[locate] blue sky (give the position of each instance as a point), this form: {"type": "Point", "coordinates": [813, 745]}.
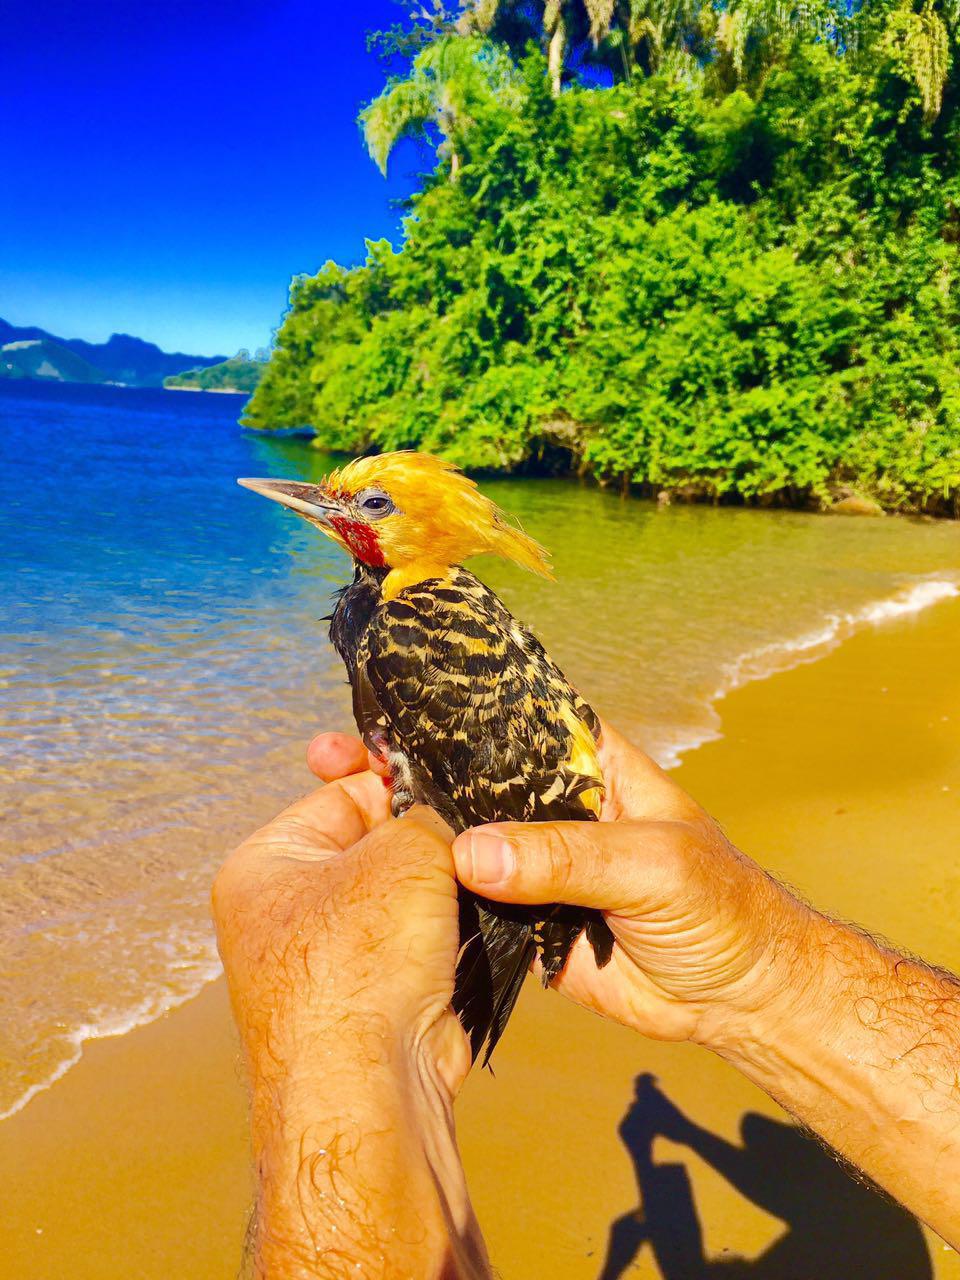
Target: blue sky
{"type": "Point", "coordinates": [169, 164]}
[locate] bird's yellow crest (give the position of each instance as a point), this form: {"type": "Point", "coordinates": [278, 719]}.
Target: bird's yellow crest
{"type": "Point", "coordinates": [437, 517]}
{"type": "Point", "coordinates": [409, 512]}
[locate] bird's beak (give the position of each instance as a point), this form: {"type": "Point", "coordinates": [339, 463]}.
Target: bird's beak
{"type": "Point", "coordinates": [308, 500]}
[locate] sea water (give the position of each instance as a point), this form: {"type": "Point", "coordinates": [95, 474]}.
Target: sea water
{"type": "Point", "coordinates": [163, 664]}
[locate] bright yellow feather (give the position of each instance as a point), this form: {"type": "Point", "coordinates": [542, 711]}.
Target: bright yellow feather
{"type": "Point", "coordinates": [442, 517]}
{"type": "Point", "coordinates": [584, 757]}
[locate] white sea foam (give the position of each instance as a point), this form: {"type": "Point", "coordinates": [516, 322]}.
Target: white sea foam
{"type": "Point", "coordinates": [759, 664]}
{"type": "Point", "coordinates": [782, 655]}
{"type": "Point", "coordinates": [117, 1024]}
{"type": "Point", "coordinates": [836, 627]}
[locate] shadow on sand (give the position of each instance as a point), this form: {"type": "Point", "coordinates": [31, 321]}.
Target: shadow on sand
{"type": "Point", "coordinates": [836, 1228]}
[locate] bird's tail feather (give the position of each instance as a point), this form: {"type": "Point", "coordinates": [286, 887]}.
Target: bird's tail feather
{"type": "Point", "coordinates": [495, 955]}
{"type": "Point", "coordinates": [511, 950]}
{"type": "Point", "coordinates": [498, 944]}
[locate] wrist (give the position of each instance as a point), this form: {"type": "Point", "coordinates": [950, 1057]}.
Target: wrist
{"type": "Point", "coordinates": [352, 1142]}
{"type": "Point", "coordinates": [785, 978]}
{"type": "Point", "coordinates": [303, 1042]}
{"type": "Point", "coordinates": [805, 1034]}
{"type": "Point", "coordinates": [351, 1101]}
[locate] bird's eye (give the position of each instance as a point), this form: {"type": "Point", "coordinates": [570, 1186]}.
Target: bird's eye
{"type": "Point", "coordinates": [375, 503]}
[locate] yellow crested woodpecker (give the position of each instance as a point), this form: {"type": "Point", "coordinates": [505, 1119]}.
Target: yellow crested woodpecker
{"type": "Point", "coordinates": [456, 695]}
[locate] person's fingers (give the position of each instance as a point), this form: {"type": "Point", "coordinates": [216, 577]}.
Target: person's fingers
{"type": "Point", "coordinates": [336, 755]}
{"type": "Point", "coordinates": [316, 828]}
{"type": "Point", "coordinates": [428, 818]}
{"type": "Point", "coordinates": [378, 765]}
{"type": "Point", "coordinates": [414, 847]}
{"type": "Point", "coordinates": [636, 786]}
{"type": "Point", "coordinates": [415, 841]}
{"type": "Point", "coordinates": [344, 811]}
{"type": "Point", "coordinates": [322, 823]}
{"type": "Point", "coordinates": [610, 865]}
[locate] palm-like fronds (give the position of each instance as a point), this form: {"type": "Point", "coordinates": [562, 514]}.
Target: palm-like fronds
{"type": "Point", "coordinates": [663, 26]}
{"type": "Point", "coordinates": [678, 37]}
{"type": "Point", "coordinates": [401, 111]}
{"type": "Point", "coordinates": [448, 82]}
{"type": "Point", "coordinates": [600, 13]}
{"type": "Point", "coordinates": [763, 27]}
{"type": "Point", "coordinates": [920, 45]}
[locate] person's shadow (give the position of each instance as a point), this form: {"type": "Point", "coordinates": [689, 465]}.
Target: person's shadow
{"type": "Point", "coordinates": [836, 1228]}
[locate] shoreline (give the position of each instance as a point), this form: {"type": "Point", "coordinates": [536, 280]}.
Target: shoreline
{"type": "Point", "coordinates": [786, 655]}
{"type": "Point", "coordinates": [217, 391]}
{"type": "Point", "coordinates": [139, 1151]}
{"type": "Point", "coordinates": [758, 665]}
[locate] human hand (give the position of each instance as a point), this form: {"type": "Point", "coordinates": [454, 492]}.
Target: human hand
{"type": "Point", "coordinates": [859, 1041]}
{"type": "Point", "coordinates": [698, 927]}
{"type": "Point", "coordinates": [335, 913]}
{"type": "Point", "coordinates": [338, 929]}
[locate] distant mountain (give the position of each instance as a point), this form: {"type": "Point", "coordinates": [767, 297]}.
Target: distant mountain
{"type": "Point", "coordinates": [42, 358]}
{"type": "Point", "coordinates": [239, 373]}
{"type": "Point", "coordinates": [123, 359]}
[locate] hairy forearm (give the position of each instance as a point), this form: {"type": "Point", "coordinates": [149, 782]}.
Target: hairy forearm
{"type": "Point", "coordinates": [357, 1166]}
{"type": "Point", "coordinates": [863, 1046]}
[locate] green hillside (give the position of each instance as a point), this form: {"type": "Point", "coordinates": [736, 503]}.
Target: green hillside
{"type": "Point", "coordinates": [240, 373]}
{"type": "Point", "coordinates": [728, 273]}
{"type": "Point", "coordinates": [122, 359]}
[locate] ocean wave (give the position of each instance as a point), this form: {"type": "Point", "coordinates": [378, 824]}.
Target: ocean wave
{"type": "Point", "coordinates": [783, 655]}
{"type": "Point", "coordinates": [149, 1009]}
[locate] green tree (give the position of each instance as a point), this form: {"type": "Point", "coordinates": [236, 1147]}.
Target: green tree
{"type": "Point", "coordinates": [450, 82]}
{"type": "Point", "coordinates": [737, 282]}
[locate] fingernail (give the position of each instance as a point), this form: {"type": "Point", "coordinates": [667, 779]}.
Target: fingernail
{"type": "Point", "coordinates": [491, 858]}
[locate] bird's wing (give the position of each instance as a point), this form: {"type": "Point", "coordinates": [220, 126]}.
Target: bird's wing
{"type": "Point", "coordinates": [473, 702]}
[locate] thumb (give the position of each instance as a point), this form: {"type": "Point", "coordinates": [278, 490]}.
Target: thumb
{"type": "Point", "coordinates": [588, 864]}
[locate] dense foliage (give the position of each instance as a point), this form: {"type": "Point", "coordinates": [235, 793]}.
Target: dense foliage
{"type": "Point", "coordinates": [239, 373]}
{"type": "Point", "coordinates": [729, 273]}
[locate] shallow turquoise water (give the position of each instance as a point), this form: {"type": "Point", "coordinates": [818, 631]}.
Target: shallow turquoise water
{"type": "Point", "coordinates": [162, 666]}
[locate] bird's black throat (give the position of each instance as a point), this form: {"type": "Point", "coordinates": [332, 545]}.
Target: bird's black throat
{"type": "Point", "coordinates": [356, 603]}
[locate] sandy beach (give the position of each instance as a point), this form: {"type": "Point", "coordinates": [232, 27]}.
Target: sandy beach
{"type": "Point", "coordinates": [841, 776]}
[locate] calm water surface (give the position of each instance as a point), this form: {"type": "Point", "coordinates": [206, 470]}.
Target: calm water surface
{"type": "Point", "coordinates": [162, 666]}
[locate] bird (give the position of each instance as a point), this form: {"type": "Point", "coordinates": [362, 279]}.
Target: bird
{"type": "Point", "coordinates": [456, 696]}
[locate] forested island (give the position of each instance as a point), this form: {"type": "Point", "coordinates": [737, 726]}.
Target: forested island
{"type": "Point", "coordinates": [706, 250]}
{"type": "Point", "coordinates": [241, 372]}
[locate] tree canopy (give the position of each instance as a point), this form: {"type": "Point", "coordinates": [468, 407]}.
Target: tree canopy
{"type": "Point", "coordinates": [704, 248]}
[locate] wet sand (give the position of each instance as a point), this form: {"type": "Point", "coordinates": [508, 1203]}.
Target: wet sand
{"type": "Point", "coordinates": [842, 776]}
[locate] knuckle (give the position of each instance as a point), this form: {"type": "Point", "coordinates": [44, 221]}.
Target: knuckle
{"type": "Point", "coordinates": [397, 844]}
{"type": "Point", "coordinates": [557, 858]}
{"type": "Point", "coordinates": [430, 827]}
{"type": "Point", "coordinates": [675, 845]}
{"type": "Point", "coordinates": [703, 842]}
{"type": "Point", "coordinates": [689, 851]}
{"type": "Point", "coordinates": [421, 830]}
{"type": "Point", "coordinates": [227, 889]}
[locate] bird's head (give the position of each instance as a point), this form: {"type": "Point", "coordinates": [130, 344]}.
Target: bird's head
{"type": "Point", "coordinates": [409, 513]}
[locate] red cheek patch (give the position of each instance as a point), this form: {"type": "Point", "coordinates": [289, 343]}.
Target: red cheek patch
{"type": "Point", "coordinates": [361, 539]}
